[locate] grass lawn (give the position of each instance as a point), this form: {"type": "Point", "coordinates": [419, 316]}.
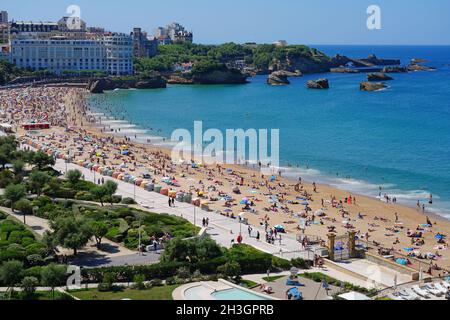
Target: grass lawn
{"type": "Point", "coordinates": [272, 279]}
{"type": "Point", "coordinates": [155, 293]}
{"type": "Point", "coordinates": [248, 283]}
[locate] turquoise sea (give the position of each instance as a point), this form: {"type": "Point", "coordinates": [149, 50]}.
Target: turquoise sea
{"type": "Point", "coordinates": [398, 138]}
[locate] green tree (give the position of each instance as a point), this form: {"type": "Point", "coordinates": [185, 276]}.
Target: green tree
{"type": "Point", "coordinates": [99, 193]}
{"type": "Point", "coordinates": [110, 189]}
{"type": "Point", "coordinates": [53, 187]}
{"type": "Point", "coordinates": [29, 285]}
{"type": "Point", "coordinates": [25, 207]}
{"type": "Point", "coordinates": [10, 274]}
{"type": "Point", "coordinates": [14, 193]}
{"type": "Point", "coordinates": [18, 166]}
{"type": "Point", "coordinates": [41, 160]}
{"type": "Point", "coordinates": [37, 181]}
{"type": "Point", "coordinates": [53, 276]}
{"type": "Point", "coordinates": [71, 232]}
{"type": "Point", "coordinates": [73, 176]}
{"type": "Point", "coordinates": [99, 229]}
{"type": "Point", "coordinates": [8, 146]}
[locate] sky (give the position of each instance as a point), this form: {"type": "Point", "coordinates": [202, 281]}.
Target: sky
{"type": "Point", "coordinates": [403, 22]}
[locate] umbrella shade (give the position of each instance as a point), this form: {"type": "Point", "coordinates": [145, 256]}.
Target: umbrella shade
{"type": "Point", "coordinates": [228, 210]}
{"type": "Point", "coordinates": [279, 226]}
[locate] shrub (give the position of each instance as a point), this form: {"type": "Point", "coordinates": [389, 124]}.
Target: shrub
{"type": "Point", "coordinates": [84, 196]}
{"type": "Point", "coordinates": [29, 285]}
{"type": "Point", "coordinates": [128, 201]}
{"type": "Point", "coordinates": [108, 281]}
{"type": "Point", "coordinates": [280, 263]}
{"type": "Point", "coordinates": [184, 273]}
{"type": "Point", "coordinates": [139, 282]}
{"type": "Point", "coordinates": [230, 269]}
{"type": "Point", "coordinates": [301, 263]}
{"type": "Point", "coordinates": [157, 282]}
{"type": "Point", "coordinates": [35, 260]}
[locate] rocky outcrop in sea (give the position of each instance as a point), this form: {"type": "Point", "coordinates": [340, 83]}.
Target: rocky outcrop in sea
{"type": "Point", "coordinates": [278, 78]}
{"type": "Point", "coordinates": [378, 76]}
{"type": "Point", "coordinates": [318, 84]}
{"type": "Point", "coordinates": [107, 84]}
{"type": "Point", "coordinates": [370, 86]}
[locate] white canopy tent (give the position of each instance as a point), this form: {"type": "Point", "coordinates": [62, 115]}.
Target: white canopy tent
{"type": "Point", "coordinates": [354, 296]}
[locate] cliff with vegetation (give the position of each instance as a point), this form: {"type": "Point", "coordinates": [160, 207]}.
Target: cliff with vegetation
{"type": "Point", "coordinates": [257, 58]}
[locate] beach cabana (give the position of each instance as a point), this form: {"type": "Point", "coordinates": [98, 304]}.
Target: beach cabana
{"type": "Point", "coordinates": [187, 198]}
{"type": "Point", "coordinates": [116, 175]}
{"type": "Point", "coordinates": [164, 192]}
{"type": "Point", "coordinates": [196, 202]}
{"type": "Point", "coordinates": [179, 196]}
{"type": "Point", "coordinates": [150, 187]}
{"type": "Point", "coordinates": [138, 181]}
{"type": "Point", "coordinates": [157, 188]}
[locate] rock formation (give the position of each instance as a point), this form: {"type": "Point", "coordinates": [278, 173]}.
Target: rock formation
{"type": "Point", "coordinates": [278, 78]}
{"type": "Point", "coordinates": [394, 69]}
{"type": "Point", "coordinates": [378, 76]}
{"type": "Point", "coordinates": [418, 67]}
{"type": "Point", "coordinates": [370, 86]}
{"type": "Point", "coordinates": [106, 84]}
{"type": "Point", "coordinates": [318, 84]}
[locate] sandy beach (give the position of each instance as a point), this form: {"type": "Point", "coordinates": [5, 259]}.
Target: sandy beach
{"type": "Point", "coordinates": [74, 132]}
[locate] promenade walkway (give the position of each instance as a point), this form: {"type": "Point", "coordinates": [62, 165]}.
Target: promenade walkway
{"type": "Point", "coordinates": [222, 229]}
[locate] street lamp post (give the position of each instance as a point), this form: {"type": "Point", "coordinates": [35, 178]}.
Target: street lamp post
{"type": "Point", "coordinates": [140, 243]}
{"type": "Point", "coordinates": [134, 192]}
{"type": "Point", "coordinates": [195, 217]}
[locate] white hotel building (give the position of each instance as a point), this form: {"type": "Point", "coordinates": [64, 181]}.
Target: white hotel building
{"type": "Point", "coordinates": [112, 54]}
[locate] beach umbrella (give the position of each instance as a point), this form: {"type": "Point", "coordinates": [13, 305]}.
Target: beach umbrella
{"type": "Point", "coordinates": [227, 210]}
{"type": "Point", "coordinates": [244, 201]}
{"type": "Point", "coordinates": [242, 214]}
{"type": "Point", "coordinates": [305, 203]}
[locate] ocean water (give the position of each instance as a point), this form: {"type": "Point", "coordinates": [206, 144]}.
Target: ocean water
{"type": "Point", "coordinates": [398, 138]}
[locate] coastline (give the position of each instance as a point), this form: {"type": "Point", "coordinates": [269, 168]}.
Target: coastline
{"type": "Point", "coordinates": [378, 217]}
{"type": "Point", "coordinates": [290, 173]}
